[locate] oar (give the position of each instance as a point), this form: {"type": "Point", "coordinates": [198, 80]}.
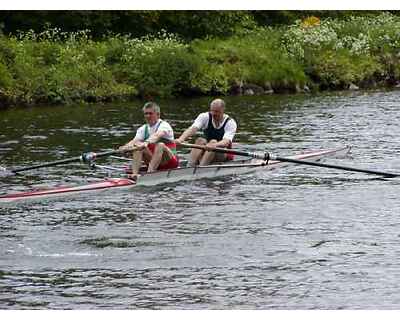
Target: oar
{"type": "Point", "coordinates": [85, 158]}
{"type": "Point", "coordinates": [268, 156]}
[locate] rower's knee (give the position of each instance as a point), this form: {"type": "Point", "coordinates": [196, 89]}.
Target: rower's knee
{"type": "Point", "coordinates": [160, 146]}
{"type": "Point", "coordinates": [200, 141]}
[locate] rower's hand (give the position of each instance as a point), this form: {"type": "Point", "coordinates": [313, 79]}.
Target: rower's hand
{"type": "Point", "coordinates": [123, 148]}
{"type": "Point", "coordinates": [179, 141]}
{"type": "Point", "coordinates": [211, 145]}
{"type": "Point", "coordinates": [126, 147]}
{"type": "Point", "coordinates": [141, 145]}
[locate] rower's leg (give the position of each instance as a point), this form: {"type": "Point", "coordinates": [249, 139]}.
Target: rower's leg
{"type": "Point", "coordinates": [136, 161]}
{"type": "Point", "coordinates": [196, 154]}
{"type": "Point", "coordinates": [161, 153]}
{"type": "Point", "coordinates": [147, 155]}
{"type": "Point", "coordinates": [208, 156]}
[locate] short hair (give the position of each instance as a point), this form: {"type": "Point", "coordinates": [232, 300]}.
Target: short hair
{"type": "Point", "coordinates": [219, 102]}
{"type": "Point", "coordinates": [151, 105]}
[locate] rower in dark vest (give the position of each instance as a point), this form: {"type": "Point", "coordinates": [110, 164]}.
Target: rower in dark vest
{"type": "Point", "coordinates": [219, 130]}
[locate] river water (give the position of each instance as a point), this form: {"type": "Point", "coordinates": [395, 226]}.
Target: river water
{"type": "Point", "coordinates": [295, 238]}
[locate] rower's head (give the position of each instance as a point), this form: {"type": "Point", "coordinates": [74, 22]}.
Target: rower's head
{"type": "Point", "coordinates": [151, 112]}
{"type": "Point", "coordinates": [217, 108]}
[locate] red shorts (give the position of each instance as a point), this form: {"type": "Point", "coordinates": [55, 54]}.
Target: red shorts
{"type": "Point", "coordinates": [230, 156]}
{"type": "Point", "coordinates": [170, 164]}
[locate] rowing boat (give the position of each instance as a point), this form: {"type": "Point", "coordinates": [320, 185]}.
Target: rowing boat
{"type": "Point", "coordinates": [169, 176]}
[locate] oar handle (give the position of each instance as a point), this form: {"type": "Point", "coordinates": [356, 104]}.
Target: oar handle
{"type": "Point", "coordinates": [264, 156]}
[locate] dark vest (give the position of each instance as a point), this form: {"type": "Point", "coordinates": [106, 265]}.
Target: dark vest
{"type": "Point", "coordinates": [212, 133]}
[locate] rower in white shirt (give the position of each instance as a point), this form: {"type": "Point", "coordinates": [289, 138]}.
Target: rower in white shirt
{"type": "Point", "coordinates": [154, 143]}
{"type": "Point", "coordinates": [219, 130]}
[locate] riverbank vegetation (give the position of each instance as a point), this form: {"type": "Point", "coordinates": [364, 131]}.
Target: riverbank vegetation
{"type": "Point", "coordinates": [309, 54]}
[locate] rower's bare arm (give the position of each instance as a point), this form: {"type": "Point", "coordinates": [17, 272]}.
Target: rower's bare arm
{"type": "Point", "coordinates": [131, 144]}
{"type": "Point", "coordinates": [186, 134]}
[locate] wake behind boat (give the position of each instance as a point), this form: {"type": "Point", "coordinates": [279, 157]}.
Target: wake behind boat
{"type": "Point", "coordinates": [256, 162]}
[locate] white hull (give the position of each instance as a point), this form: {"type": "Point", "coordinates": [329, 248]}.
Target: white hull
{"type": "Point", "coordinates": [168, 176]}
{"type": "Point", "coordinates": [238, 167]}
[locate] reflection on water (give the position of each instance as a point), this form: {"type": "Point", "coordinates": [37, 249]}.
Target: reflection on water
{"type": "Point", "coordinates": [298, 237]}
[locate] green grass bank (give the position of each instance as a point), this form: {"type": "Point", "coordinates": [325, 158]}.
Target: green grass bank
{"type": "Point", "coordinates": [309, 55]}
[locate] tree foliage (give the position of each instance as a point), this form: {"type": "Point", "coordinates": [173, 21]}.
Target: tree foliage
{"type": "Point", "coordinates": [188, 24]}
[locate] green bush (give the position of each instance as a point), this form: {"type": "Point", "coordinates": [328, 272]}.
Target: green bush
{"type": "Point", "coordinates": [338, 69]}
{"type": "Point", "coordinates": [82, 74]}
{"type": "Point", "coordinates": [254, 58]}
{"type": "Point", "coordinates": [6, 80]}
{"type": "Point", "coordinates": [159, 66]}
{"type": "Point", "coordinates": [59, 67]}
